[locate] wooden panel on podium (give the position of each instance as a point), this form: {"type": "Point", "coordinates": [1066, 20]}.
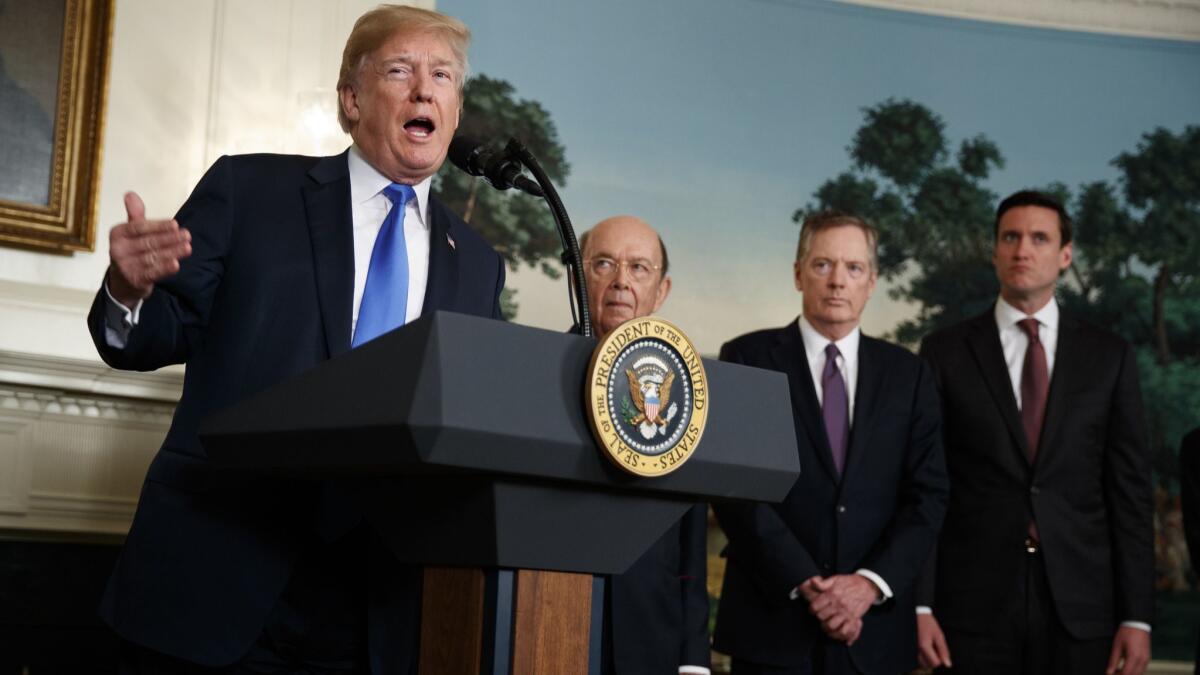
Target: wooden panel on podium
{"type": "Point", "coordinates": [552, 620]}
{"type": "Point", "coordinates": [452, 603]}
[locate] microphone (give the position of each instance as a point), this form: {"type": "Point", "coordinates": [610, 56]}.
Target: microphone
{"type": "Point", "coordinates": [498, 167]}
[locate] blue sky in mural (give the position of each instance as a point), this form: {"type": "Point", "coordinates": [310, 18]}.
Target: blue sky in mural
{"type": "Point", "coordinates": [715, 120]}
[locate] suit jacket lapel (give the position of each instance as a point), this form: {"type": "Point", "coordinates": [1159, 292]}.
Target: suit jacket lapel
{"type": "Point", "coordinates": [984, 341]}
{"type": "Point", "coordinates": [789, 357]}
{"type": "Point", "coordinates": [866, 396]}
{"type": "Point", "coordinates": [1070, 366]}
{"type": "Point", "coordinates": [442, 286]}
{"type": "Point", "coordinates": [331, 228]}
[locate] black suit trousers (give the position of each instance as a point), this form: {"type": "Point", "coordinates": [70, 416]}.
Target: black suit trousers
{"type": "Point", "coordinates": [1029, 637]}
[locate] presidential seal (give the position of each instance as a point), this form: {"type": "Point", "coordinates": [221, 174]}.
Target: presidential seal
{"type": "Point", "coordinates": [647, 396]}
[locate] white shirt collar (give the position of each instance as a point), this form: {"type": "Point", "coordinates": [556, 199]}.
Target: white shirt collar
{"type": "Point", "coordinates": [1007, 316]}
{"type": "Point", "coordinates": [814, 342]}
{"type": "Point", "coordinates": [366, 183]}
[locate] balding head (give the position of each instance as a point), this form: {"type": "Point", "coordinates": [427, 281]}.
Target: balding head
{"type": "Point", "coordinates": [626, 271]}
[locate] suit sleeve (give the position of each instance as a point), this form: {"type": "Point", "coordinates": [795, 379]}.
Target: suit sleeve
{"type": "Point", "coordinates": [173, 318]}
{"type": "Point", "coordinates": [760, 539]}
{"type": "Point", "coordinates": [497, 312]}
{"type": "Point", "coordinates": [901, 552]}
{"type": "Point", "coordinates": [1129, 496]}
{"type": "Point", "coordinates": [693, 531]}
{"type": "Point", "coordinates": [926, 588]}
{"type": "Point", "coordinates": [1189, 492]}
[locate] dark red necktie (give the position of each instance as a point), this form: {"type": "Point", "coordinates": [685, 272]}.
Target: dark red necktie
{"type": "Point", "coordinates": [1035, 384]}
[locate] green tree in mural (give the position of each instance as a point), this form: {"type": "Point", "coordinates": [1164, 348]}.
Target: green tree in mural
{"type": "Point", "coordinates": [520, 227]}
{"type": "Point", "coordinates": [1136, 271]}
{"type": "Point", "coordinates": [933, 213]}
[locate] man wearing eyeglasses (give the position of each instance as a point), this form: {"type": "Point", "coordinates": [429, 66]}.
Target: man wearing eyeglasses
{"type": "Point", "coordinates": [656, 613]}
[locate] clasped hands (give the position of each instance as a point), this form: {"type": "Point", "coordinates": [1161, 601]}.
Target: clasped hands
{"type": "Point", "coordinates": [839, 603]}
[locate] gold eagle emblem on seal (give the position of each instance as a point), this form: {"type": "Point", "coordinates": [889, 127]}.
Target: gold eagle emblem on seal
{"type": "Point", "coordinates": [647, 396]}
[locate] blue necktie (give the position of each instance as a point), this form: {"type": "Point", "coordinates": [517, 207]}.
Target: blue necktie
{"type": "Point", "coordinates": [385, 298]}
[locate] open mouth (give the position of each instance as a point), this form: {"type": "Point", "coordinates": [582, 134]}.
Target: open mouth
{"type": "Point", "coordinates": [419, 126]}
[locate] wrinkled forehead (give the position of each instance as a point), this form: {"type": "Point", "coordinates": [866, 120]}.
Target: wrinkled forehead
{"type": "Point", "coordinates": [411, 47]}
{"type": "Point", "coordinates": [629, 240]}
{"type": "Point", "coordinates": [844, 242]}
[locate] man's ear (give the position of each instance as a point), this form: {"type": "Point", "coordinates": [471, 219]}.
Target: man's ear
{"type": "Point", "coordinates": [664, 289]}
{"type": "Point", "coordinates": [349, 101]}
{"type": "Point", "coordinates": [1066, 255]}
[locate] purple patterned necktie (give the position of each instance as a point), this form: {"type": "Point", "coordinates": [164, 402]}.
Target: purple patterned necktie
{"type": "Point", "coordinates": [835, 407]}
{"type": "Point", "coordinates": [1035, 385]}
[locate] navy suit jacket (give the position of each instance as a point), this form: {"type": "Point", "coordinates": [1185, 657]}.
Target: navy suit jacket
{"type": "Point", "coordinates": [882, 515]}
{"type": "Point", "coordinates": [1189, 494]}
{"type": "Point", "coordinates": [1089, 490]}
{"type": "Point", "coordinates": [659, 606]}
{"type": "Point", "coordinates": [265, 295]}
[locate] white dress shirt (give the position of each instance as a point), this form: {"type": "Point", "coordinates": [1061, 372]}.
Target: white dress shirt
{"type": "Point", "coordinates": [368, 208]}
{"type": "Point", "coordinates": [847, 363]}
{"type": "Point", "coordinates": [1014, 342]}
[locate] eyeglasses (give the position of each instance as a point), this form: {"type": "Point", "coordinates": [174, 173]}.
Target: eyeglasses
{"type": "Point", "coordinates": [603, 268]}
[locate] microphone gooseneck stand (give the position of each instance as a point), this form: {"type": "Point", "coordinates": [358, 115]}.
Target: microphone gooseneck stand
{"type": "Point", "coordinates": [572, 257]}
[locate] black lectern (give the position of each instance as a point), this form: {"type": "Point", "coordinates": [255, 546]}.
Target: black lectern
{"type": "Point", "coordinates": [466, 442]}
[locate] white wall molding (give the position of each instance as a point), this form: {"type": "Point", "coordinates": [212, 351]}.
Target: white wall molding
{"type": "Point", "coordinates": [1164, 19]}
{"type": "Point", "coordinates": [76, 438]}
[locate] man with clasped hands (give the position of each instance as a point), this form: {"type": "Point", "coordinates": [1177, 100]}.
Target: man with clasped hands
{"type": "Point", "coordinates": [824, 581]}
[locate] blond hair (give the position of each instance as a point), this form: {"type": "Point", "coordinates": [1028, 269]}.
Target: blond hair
{"type": "Point", "coordinates": [379, 25]}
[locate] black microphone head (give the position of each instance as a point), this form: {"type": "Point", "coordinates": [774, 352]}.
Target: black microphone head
{"type": "Point", "coordinates": [476, 158]}
{"type": "Point", "coordinates": [465, 153]}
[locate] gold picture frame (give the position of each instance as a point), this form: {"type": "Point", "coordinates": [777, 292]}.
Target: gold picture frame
{"type": "Point", "coordinates": [62, 145]}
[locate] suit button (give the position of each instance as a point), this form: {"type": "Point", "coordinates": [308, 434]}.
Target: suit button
{"type": "Point", "coordinates": [826, 566]}
{"type": "Point", "coordinates": [1034, 490]}
{"type": "Point", "coordinates": [841, 509]}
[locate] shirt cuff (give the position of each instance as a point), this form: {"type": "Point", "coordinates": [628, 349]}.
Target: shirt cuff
{"type": "Point", "coordinates": [922, 609]}
{"type": "Point", "coordinates": [119, 320]}
{"type": "Point", "coordinates": [694, 670]}
{"type": "Point", "coordinates": [885, 591]}
{"type": "Point", "coordinates": [1136, 624]}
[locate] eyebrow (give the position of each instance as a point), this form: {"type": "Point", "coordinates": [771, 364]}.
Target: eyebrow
{"type": "Point", "coordinates": [409, 59]}
{"type": "Point", "coordinates": [846, 261]}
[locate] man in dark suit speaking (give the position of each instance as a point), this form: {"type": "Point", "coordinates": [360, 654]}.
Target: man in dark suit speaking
{"type": "Point", "coordinates": [1046, 560]}
{"type": "Point", "coordinates": [823, 582]}
{"type": "Point", "coordinates": [273, 265]}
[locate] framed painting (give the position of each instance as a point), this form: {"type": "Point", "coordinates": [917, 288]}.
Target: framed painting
{"type": "Point", "coordinates": [54, 57]}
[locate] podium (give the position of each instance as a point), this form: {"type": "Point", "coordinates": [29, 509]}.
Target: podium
{"type": "Point", "coordinates": [466, 443]}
